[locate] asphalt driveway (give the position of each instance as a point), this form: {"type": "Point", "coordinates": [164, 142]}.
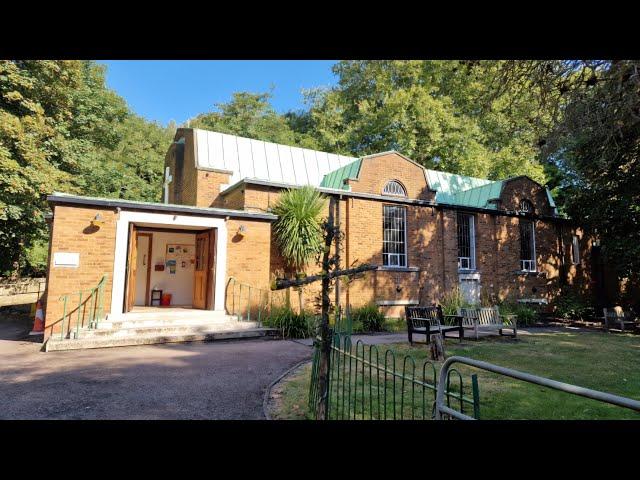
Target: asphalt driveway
{"type": "Point", "coordinates": [218, 380]}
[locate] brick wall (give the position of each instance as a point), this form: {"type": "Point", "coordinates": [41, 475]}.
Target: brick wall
{"type": "Point", "coordinates": [72, 232]}
{"type": "Point", "coordinates": [432, 240]}
{"type": "Point", "coordinates": [376, 171]}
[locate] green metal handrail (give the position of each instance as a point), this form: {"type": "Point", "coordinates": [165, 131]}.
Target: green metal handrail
{"type": "Point", "coordinates": [243, 309]}
{"type": "Point", "coordinates": [93, 302]}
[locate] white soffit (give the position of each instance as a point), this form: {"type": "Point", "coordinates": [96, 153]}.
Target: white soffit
{"type": "Point", "coordinates": [248, 158]}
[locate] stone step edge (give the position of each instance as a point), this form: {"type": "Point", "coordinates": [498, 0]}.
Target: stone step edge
{"type": "Point", "coordinates": [177, 329]}
{"type": "Point", "coordinates": [88, 343]}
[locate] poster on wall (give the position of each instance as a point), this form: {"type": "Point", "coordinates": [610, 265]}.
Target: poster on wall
{"type": "Point", "coordinates": [171, 264]}
{"type": "Point", "coordinates": [179, 255]}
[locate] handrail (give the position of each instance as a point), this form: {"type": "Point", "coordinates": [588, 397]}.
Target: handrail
{"type": "Point", "coordinates": [526, 377]}
{"type": "Point", "coordinates": [243, 309]}
{"type": "Point", "coordinates": [95, 301]}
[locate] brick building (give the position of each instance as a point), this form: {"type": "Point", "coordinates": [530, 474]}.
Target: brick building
{"type": "Point", "coordinates": [427, 231]}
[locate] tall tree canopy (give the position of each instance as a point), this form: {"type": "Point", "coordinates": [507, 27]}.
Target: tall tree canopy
{"type": "Point", "coordinates": [251, 115]}
{"type": "Point", "coordinates": [61, 128]}
{"type": "Point", "coordinates": [439, 113]}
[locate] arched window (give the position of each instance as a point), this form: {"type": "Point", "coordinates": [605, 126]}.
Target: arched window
{"type": "Point", "coordinates": [526, 206]}
{"type": "Point", "coordinates": [395, 188]}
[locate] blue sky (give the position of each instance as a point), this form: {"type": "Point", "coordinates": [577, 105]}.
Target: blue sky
{"type": "Point", "coordinates": [179, 89]}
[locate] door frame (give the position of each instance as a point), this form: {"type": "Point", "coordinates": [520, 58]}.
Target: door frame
{"type": "Point", "coordinates": [204, 271]}
{"type": "Point", "coordinates": [166, 220]}
{"type": "Point", "coordinates": [149, 256]}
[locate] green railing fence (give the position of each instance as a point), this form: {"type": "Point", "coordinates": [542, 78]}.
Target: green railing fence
{"type": "Point", "coordinates": [251, 304]}
{"type": "Point", "coordinates": [88, 311]}
{"type": "Point", "coordinates": [368, 384]}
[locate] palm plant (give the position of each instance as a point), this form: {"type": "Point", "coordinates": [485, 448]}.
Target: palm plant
{"type": "Point", "coordinates": [298, 230]}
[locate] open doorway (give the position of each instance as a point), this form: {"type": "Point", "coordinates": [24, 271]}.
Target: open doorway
{"type": "Point", "coordinates": [172, 263]}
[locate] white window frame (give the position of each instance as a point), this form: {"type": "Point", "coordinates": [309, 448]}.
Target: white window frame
{"type": "Point", "coordinates": [399, 257]}
{"type": "Point", "coordinates": [397, 185]}
{"type": "Point", "coordinates": [575, 250]}
{"type": "Point", "coordinates": [529, 265]}
{"type": "Point", "coordinates": [469, 261]}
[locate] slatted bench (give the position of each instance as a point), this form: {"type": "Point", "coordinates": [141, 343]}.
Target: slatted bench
{"type": "Point", "coordinates": [616, 317]}
{"type": "Point", "coordinates": [429, 321]}
{"type": "Point", "coordinates": [487, 318]}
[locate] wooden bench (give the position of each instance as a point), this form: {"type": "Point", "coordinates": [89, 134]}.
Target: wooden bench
{"type": "Point", "coordinates": [487, 318]}
{"type": "Point", "coordinates": [429, 321]}
{"type": "Point", "coordinates": [616, 317]}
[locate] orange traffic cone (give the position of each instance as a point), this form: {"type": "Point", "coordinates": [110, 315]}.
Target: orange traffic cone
{"type": "Point", "coordinates": [38, 323]}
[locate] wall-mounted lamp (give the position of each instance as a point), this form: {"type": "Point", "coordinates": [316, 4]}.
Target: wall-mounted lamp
{"type": "Point", "coordinates": [97, 221]}
{"type": "Point", "coordinates": [242, 231]}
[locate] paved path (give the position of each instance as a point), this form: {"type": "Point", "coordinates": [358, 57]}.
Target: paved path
{"type": "Point", "coordinates": [401, 337]}
{"type": "Point", "coordinates": [218, 380]}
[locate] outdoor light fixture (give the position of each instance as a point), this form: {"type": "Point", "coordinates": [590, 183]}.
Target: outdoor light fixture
{"type": "Point", "coordinates": [242, 231]}
{"type": "Point", "coordinates": [97, 220]}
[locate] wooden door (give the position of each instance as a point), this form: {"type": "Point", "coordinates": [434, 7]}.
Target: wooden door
{"type": "Point", "coordinates": [132, 259]}
{"type": "Point", "coordinates": [211, 273]}
{"type": "Point", "coordinates": [201, 271]}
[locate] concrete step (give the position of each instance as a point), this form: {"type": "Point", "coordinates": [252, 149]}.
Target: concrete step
{"type": "Point", "coordinates": [159, 321]}
{"type": "Point", "coordinates": [174, 314]}
{"type": "Point", "coordinates": [150, 339]}
{"type": "Point", "coordinates": [167, 329]}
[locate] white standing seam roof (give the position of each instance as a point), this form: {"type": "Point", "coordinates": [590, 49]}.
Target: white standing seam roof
{"type": "Point", "coordinates": [248, 158]}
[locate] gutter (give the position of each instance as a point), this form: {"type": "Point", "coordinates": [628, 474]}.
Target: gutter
{"type": "Point", "coordinates": [63, 198]}
{"type": "Point", "coordinates": [383, 198]}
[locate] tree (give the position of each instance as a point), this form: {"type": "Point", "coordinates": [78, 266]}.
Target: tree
{"type": "Point", "coordinates": [61, 128]}
{"type": "Point", "coordinates": [251, 115]}
{"type": "Point", "coordinates": [597, 146]}
{"type": "Point", "coordinates": [432, 112]}
{"type": "Point", "coordinates": [298, 231]}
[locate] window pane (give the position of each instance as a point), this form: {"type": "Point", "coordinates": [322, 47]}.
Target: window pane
{"type": "Point", "coordinates": [394, 241]}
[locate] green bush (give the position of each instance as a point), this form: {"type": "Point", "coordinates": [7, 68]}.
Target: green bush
{"type": "Point", "coordinates": [526, 315]}
{"type": "Point", "coordinates": [368, 319]}
{"type": "Point", "coordinates": [571, 305]}
{"type": "Point", "coordinates": [452, 301]}
{"type": "Point", "coordinates": [291, 324]}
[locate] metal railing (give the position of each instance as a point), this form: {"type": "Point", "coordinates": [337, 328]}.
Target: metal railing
{"type": "Point", "coordinates": [368, 384]}
{"type": "Point", "coordinates": [88, 311]}
{"type": "Point", "coordinates": [249, 303]}
{"type": "Point", "coordinates": [442, 409]}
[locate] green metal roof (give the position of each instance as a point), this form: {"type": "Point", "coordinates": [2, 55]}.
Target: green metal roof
{"type": "Point", "coordinates": [450, 188]}
{"type": "Point", "coordinates": [479, 197]}
{"type": "Point", "coordinates": [336, 178]}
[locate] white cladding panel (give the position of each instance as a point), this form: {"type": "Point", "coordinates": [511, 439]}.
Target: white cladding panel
{"type": "Point", "coordinates": [248, 158]}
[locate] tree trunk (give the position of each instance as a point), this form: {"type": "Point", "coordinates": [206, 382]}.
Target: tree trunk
{"type": "Point", "coordinates": [436, 346]}
{"type": "Point", "coordinates": [325, 332]}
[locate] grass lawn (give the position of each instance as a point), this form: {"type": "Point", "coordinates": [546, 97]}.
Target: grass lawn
{"type": "Point", "coordinates": [606, 362]}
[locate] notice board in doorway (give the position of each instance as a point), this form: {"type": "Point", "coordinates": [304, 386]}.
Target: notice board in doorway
{"type": "Point", "coordinates": [180, 255]}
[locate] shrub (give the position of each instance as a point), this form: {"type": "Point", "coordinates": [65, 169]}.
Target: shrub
{"type": "Point", "coordinates": [291, 324]}
{"type": "Point", "coordinates": [452, 301]}
{"type": "Point", "coordinates": [526, 315]}
{"type": "Point", "coordinates": [368, 319]}
{"type": "Point", "coordinates": [571, 305]}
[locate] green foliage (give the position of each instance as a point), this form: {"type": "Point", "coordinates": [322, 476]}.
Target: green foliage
{"type": "Point", "coordinates": [452, 301]}
{"type": "Point", "coordinates": [61, 128]}
{"type": "Point", "coordinates": [251, 115]}
{"type": "Point", "coordinates": [598, 150]}
{"type": "Point", "coordinates": [368, 318]}
{"type": "Point", "coordinates": [572, 305]}
{"type": "Point", "coordinates": [298, 230]}
{"type": "Point", "coordinates": [36, 259]}
{"type": "Point", "coordinates": [446, 115]}
{"type": "Point", "coordinates": [525, 315]}
{"type": "Point", "coordinates": [291, 324]}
